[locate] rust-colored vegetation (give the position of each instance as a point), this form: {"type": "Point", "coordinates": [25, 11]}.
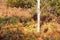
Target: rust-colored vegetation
{"type": "Point", "coordinates": [50, 16]}
{"type": "Point", "coordinates": [18, 20]}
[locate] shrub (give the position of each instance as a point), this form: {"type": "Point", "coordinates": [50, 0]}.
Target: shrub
{"type": "Point", "coordinates": [17, 35]}
{"type": "Point", "coordinates": [21, 3]}
{"type": "Point", "coordinates": [12, 35]}
{"type": "Point", "coordinates": [13, 20]}
{"type": "Point", "coordinates": [3, 19]}
{"type": "Point", "coordinates": [51, 6]}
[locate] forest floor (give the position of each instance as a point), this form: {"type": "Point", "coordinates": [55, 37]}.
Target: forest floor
{"type": "Point", "coordinates": [21, 24]}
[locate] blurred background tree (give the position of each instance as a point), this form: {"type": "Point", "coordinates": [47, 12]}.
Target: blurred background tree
{"type": "Point", "coordinates": [21, 3]}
